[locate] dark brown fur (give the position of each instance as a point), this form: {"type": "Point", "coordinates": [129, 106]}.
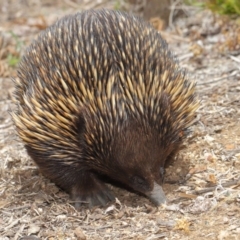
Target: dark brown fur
{"type": "Point", "coordinates": [99, 94]}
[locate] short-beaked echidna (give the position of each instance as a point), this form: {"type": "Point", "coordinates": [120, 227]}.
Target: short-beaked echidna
{"type": "Point", "coordinates": [99, 94]}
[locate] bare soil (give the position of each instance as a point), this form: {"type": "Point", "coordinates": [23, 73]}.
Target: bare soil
{"type": "Point", "coordinates": [203, 183]}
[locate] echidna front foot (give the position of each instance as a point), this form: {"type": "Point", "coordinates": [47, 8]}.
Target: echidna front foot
{"type": "Point", "coordinates": [92, 192]}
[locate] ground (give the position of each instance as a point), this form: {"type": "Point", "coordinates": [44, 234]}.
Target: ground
{"type": "Point", "coordinates": [202, 184]}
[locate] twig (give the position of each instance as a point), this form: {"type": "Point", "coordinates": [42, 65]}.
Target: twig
{"type": "Point", "coordinates": [175, 37]}
{"type": "Point", "coordinates": [194, 194]}
{"type": "Point", "coordinates": [210, 189]}
{"type": "Point", "coordinates": [12, 224]}
{"type": "Point", "coordinates": [71, 4]}
{"type": "Point", "coordinates": [172, 9]}
{"type": "Point", "coordinates": [234, 58]}
{"type": "Point", "coordinates": [95, 4]}
{"type": "Point", "coordinates": [20, 207]}
{"type": "Point", "coordinates": [3, 126]}
{"type": "Point", "coordinates": [19, 232]}
{"type": "Point", "coordinates": [218, 79]}
{"type": "Point", "coordinates": [185, 56]}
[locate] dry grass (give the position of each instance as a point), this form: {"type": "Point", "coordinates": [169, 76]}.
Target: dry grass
{"type": "Point", "coordinates": [203, 183]}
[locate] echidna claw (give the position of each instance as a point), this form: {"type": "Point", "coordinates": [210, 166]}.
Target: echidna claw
{"type": "Point", "coordinates": [94, 197]}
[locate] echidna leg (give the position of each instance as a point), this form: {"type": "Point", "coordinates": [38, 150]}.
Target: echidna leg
{"type": "Point", "coordinates": [83, 186]}
{"type": "Point", "coordinates": [90, 190]}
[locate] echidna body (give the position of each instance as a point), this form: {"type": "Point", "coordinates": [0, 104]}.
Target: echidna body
{"type": "Point", "coordinates": [100, 94]}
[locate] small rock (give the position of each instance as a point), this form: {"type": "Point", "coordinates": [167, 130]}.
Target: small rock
{"type": "Point", "coordinates": [79, 234]}
{"type": "Point", "coordinates": [223, 235]}
{"type": "Point", "coordinates": [225, 220]}
{"type": "Point", "coordinates": [33, 229]}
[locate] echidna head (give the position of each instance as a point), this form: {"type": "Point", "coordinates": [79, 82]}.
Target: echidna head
{"type": "Point", "coordinates": [137, 160]}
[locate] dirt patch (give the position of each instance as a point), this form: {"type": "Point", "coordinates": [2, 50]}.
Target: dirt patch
{"type": "Point", "coordinates": [203, 182]}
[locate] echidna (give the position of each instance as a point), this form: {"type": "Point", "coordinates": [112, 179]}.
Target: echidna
{"type": "Point", "coordinates": [100, 95]}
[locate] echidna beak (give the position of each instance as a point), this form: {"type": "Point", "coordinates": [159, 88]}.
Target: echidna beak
{"type": "Point", "coordinates": [157, 195]}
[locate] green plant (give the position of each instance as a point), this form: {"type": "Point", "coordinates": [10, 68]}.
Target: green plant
{"type": "Point", "coordinates": [12, 60]}
{"type": "Point", "coordinates": [13, 57]}
{"type": "Point", "coordinates": [196, 3]}
{"type": "Point", "coordinates": [224, 6]}
{"type": "Point", "coordinates": [220, 6]}
{"type": "Point", "coordinates": [117, 5]}
{"type": "Point", "coordinates": [19, 43]}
